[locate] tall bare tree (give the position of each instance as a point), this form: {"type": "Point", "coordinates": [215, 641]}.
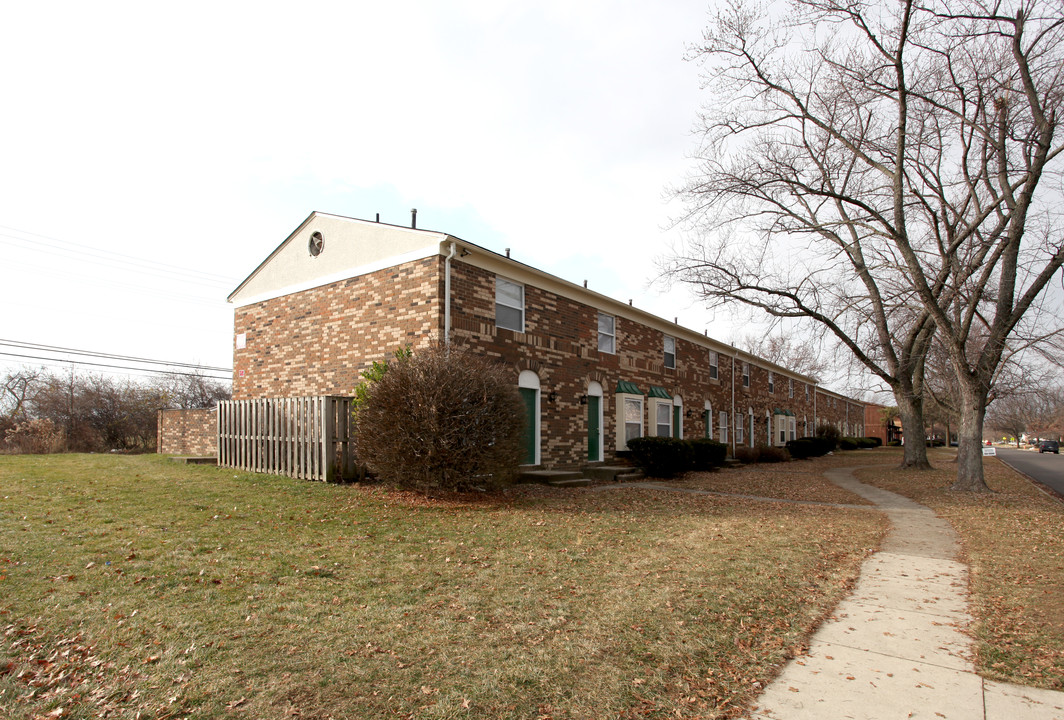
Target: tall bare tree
{"type": "Point", "coordinates": [881, 168]}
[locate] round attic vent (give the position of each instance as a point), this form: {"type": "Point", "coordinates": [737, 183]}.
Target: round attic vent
{"type": "Point", "coordinates": [316, 244]}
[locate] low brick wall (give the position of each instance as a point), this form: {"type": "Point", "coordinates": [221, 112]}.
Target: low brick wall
{"type": "Point", "coordinates": [188, 432]}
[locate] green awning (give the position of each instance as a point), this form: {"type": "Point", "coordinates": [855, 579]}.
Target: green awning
{"type": "Point", "coordinates": [659, 392]}
{"type": "Point", "coordinates": [788, 413]}
{"type": "Point", "coordinates": [623, 386]}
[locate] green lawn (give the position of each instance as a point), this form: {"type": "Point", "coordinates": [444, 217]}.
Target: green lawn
{"type": "Point", "coordinates": [133, 584]}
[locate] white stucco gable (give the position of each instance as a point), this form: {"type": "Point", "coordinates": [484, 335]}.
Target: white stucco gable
{"type": "Point", "coordinates": [348, 248]}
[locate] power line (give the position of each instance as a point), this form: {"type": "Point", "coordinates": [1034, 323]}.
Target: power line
{"type": "Point", "coordinates": [119, 367]}
{"type": "Point", "coordinates": [106, 355]}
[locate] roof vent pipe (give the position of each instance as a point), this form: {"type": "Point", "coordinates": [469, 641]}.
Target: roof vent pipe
{"type": "Point", "coordinates": [378, 217]}
{"type": "Point", "coordinates": [413, 218]}
{"type": "Point", "coordinates": [507, 252]}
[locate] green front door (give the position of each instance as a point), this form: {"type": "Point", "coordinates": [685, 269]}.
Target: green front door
{"type": "Point", "coordinates": [593, 428]}
{"type": "Point", "coordinates": [676, 410]}
{"type": "Point", "coordinates": [529, 396]}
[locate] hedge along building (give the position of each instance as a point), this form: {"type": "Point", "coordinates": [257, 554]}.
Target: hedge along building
{"type": "Point", "coordinates": [340, 293]}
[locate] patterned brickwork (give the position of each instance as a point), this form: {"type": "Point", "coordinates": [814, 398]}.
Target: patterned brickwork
{"type": "Point", "coordinates": [188, 432]}
{"type": "Point", "coordinates": [318, 341]}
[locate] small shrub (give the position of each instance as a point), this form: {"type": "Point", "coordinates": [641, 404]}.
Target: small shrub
{"type": "Point", "coordinates": [829, 433]}
{"type": "Point", "coordinates": [847, 443]}
{"type": "Point", "coordinates": [894, 443]}
{"type": "Point", "coordinates": [662, 457]}
{"type": "Point", "coordinates": [867, 443]}
{"type": "Point", "coordinates": [876, 441]}
{"type": "Point", "coordinates": [707, 454]}
{"type": "Point", "coordinates": [771, 454]}
{"type": "Point", "coordinates": [746, 455]}
{"type": "Point", "coordinates": [442, 420]}
{"type": "Point", "coordinates": [809, 447]}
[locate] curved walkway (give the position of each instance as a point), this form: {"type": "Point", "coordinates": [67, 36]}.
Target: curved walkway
{"type": "Point", "coordinates": [896, 647]}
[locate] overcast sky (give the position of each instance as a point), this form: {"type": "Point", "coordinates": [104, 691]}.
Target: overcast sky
{"type": "Point", "coordinates": [153, 154]}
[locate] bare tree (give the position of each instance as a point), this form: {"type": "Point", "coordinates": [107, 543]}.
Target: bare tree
{"type": "Point", "coordinates": [783, 350]}
{"type": "Point", "coordinates": [879, 168]}
{"type": "Point", "coordinates": [18, 388]}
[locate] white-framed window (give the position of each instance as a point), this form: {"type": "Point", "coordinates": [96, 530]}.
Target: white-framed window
{"type": "Point", "coordinates": [805, 423]}
{"type": "Point", "coordinates": [790, 387]}
{"type": "Point", "coordinates": [793, 428]}
{"type": "Point", "coordinates": [752, 436]}
{"type": "Point", "coordinates": [746, 374]}
{"type": "Point", "coordinates": [714, 365]}
{"type": "Point", "coordinates": [723, 425]}
{"type": "Point", "coordinates": [670, 352]}
{"type": "Point", "coordinates": [738, 428]}
{"type": "Point", "coordinates": [607, 333]}
{"type": "Point", "coordinates": [806, 391]}
{"type": "Point", "coordinates": [632, 409]}
{"type": "Point", "coordinates": [509, 305]}
{"type": "Point", "coordinates": [771, 382]}
{"type": "Point", "coordinates": [663, 419]}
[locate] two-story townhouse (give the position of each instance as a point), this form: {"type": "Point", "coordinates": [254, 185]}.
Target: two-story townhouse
{"type": "Point", "coordinates": [340, 293]}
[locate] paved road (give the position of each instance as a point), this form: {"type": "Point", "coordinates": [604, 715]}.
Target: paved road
{"type": "Point", "coordinates": [1046, 468]}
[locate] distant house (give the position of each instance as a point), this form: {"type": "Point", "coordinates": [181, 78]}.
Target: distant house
{"type": "Point", "coordinates": [594, 372]}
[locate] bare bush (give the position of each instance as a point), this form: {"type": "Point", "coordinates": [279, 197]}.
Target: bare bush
{"type": "Point", "coordinates": [447, 420]}
{"type": "Point", "coordinates": [33, 437]}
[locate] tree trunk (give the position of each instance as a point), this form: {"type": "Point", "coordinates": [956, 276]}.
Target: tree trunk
{"type": "Point", "coordinates": [970, 441]}
{"type": "Point", "coordinates": [911, 410]}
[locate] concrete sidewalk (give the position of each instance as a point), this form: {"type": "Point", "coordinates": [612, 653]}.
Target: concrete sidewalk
{"type": "Point", "coordinates": [896, 647]}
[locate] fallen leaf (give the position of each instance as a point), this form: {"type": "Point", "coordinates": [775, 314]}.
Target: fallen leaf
{"type": "Point", "coordinates": [236, 703]}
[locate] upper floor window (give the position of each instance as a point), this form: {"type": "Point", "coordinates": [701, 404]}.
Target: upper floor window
{"type": "Point", "coordinates": [670, 352]}
{"type": "Point", "coordinates": [607, 333]}
{"type": "Point", "coordinates": [509, 305]}
{"type": "Point", "coordinates": [714, 365]}
{"type": "Point", "coordinates": [790, 387]}
{"type": "Point", "coordinates": [746, 374]}
{"type": "Point", "coordinates": [806, 391]}
{"type": "Point", "coordinates": [771, 382]}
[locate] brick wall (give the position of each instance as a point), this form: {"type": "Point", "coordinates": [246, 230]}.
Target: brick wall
{"type": "Point", "coordinates": [188, 432]}
{"type": "Point", "coordinates": [560, 344]}
{"type": "Point", "coordinates": [318, 341]}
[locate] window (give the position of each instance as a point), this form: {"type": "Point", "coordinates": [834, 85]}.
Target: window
{"type": "Point", "coordinates": [794, 428]}
{"type": "Point", "coordinates": [806, 391]}
{"type": "Point", "coordinates": [752, 436]}
{"type": "Point", "coordinates": [607, 336]}
{"type": "Point", "coordinates": [790, 387]}
{"type": "Point", "coordinates": [724, 427]}
{"type": "Point", "coordinates": [663, 413]}
{"type": "Point", "coordinates": [509, 305]}
{"type": "Point", "coordinates": [670, 352]}
{"type": "Point", "coordinates": [633, 418]}
{"type": "Point", "coordinates": [738, 428]}
{"type": "Point", "coordinates": [771, 382]}
{"type": "Point", "coordinates": [714, 365]}
{"type": "Point", "coordinates": [746, 374]}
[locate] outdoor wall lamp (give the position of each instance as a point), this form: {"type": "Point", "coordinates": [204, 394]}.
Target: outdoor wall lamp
{"type": "Point", "coordinates": [552, 397]}
{"type": "Point", "coordinates": [690, 413]}
{"type": "Point", "coordinates": [583, 399]}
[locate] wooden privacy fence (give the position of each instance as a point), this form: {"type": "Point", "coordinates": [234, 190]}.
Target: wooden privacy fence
{"type": "Point", "coordinates": [310, 438]}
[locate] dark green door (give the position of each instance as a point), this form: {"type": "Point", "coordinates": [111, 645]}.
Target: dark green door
{"type": "Point", "coordinates": [529, 396]}
{"type": "Point", "coordinates": [676, 410]}
{"type": "Point", "coordinates": [593, 428]}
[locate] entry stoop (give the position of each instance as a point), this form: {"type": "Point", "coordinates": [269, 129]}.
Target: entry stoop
{"type": "Point", "coordinates": [613, 473]}
{"type": "Point", "coordinates": [557, 478]}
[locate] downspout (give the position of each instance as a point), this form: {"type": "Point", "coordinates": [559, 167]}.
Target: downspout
{"type": "Point", "coordinates": [447, 299]}
{"type": "Point", "coordinates": [816, 424]}
{"type": "Point", "coordinates": [732, 422]}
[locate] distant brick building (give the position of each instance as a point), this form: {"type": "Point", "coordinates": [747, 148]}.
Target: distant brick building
{"type": "Point", "coordinates": [339, 293]}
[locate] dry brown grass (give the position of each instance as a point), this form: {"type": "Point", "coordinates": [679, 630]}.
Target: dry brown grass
{"type": "Point", "coordinates": [132, 585]}
{"type": "Point", "coordinates": [799, 480]}
{"type": "Point", "coordinates": [1013, 541]}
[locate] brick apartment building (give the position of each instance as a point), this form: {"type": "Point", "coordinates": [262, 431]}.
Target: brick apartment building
{"type": "Point", "coordinates": [339, 293]}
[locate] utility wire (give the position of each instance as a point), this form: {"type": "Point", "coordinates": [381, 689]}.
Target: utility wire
{"type": "Point", "coordinates": [120, 367]}
{"type": "Point", "coordinates": [108, 356]}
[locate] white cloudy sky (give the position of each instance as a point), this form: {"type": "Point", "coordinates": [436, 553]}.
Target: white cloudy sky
{"type": "Point", "coordinates": [152, 154]}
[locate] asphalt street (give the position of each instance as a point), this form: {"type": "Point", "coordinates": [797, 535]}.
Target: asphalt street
{"type": "Point", "coordinates": [1046, 468]}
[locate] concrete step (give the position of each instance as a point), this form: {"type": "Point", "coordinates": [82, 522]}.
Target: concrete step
{"type": "Point", "coordinates": [613, 473]}
{"type": "Point", "coordinates": [573, 482]}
